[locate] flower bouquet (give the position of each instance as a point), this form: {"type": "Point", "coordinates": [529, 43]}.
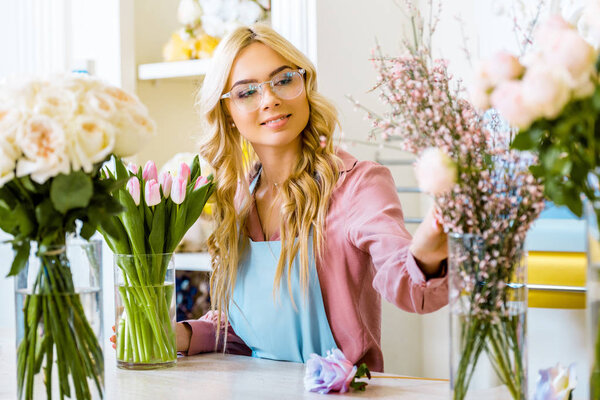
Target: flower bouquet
{"type": "Point", "coordinates": [553, 97]}
{"type": "Point", "coordinates": [158, 212]}
{"type": "Point", "coordinates": [488, 200]}
{"type": "Point", "coordinates": [205, 22]}
{"type": "Point", "coordinates": [54, 137]}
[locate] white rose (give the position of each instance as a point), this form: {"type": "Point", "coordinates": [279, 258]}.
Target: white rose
{"type": "Point", "coordinates": [545, 91]}
{"type": "Point", "coordinates": [214, 26]}
{"type": "Point", "coordinates": [249, 12]}
{"type": "Point", "coordinates": [133, 129]}
{"type": "Point", "coordinates": [589, 23]}
{"type": "Point", "coordinates": [56, 103]}
{"type": "Point", "coordinates": [569, 51]}
{"type": "Point", "coordinates": [9, 123]}
{"type": "Point", "coordinates": [211, 7]}
{"type": "Point", "coordinates": [189, 12]}
{"type": "Point", "coordinates": [42, 141]}
{"type": "Point", "coordinates": [89, 141]}
{"type": "Point", "coordinates": [99, 104]}
{"type": "Point", "coordinates": [509, 101]}
{"type": "Point", "coordinates": [435, 171]}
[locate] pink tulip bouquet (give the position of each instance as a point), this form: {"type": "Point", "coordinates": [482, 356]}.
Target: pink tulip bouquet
{"type": "Point", "coordinates": [159, 211]}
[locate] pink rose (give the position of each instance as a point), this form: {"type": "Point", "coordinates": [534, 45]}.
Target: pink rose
{"type": "Point", "coordinates": [435, 171]}
{"type": "Point", "coordinates": [569, 51]}
{"type": "Point", "coordinates": [545, 91]}
{"type": "Point", "coordinates": [333, 373]}
{"type": "Point", "coordinates": [508, 100]}
{"type": "Point", "coordinates": [503, 66]}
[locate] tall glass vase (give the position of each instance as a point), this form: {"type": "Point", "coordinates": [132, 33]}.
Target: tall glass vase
{"type": "Point", "coordinates": [145, 310]}
{"type": "Point", "coordinates": [593, 299]}
{"type": "Point", "coordinates": [488, 308]}
{"type": "Point", "coordinates": [58, 300]}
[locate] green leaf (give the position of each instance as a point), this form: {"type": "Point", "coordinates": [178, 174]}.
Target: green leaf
{"type": "Point", "coordinates": [360, 386]}
{"type": "Point", "coordinates": [21, 256]}
{"type": "Point", "coordinates": [596, 99]}
{"type": "Point", "coordinates": [157, 234]}
{"type": "Point", "coordinates": [133, 223]}
{"type": "Point", "coordinates": [88, 229]}
{"type": "Point", "coordinates": [121, 170]}
{"type": "Point", "coordinates": [24, 219]}
{"type": "Point", "coordinates": [8, 222]}
{"type": "Point", "coordinates": [46, 215]}
{"type": "Point", "coordinates": [71, 191]}
{"type": "Point", "coordinates": [527, 139]}
{"type": "Point", "coordinates": [195, 169]}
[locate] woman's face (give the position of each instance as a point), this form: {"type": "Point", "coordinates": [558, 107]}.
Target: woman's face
{"type": "Point", "coordinates": [277, 122]}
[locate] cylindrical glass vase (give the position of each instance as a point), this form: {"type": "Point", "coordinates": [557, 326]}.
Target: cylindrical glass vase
{"type": "Point", "coordinates": [488, 309]}
{"type": "Point", "coordinates": [145, 310]}
{"type": "Point", "coordinates": [58, 300]}
{"type": "Point", "coordinates": [593, 298]}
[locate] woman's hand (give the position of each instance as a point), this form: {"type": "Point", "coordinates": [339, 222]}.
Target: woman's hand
{"type": "Point", "coordinates": [183, 335]}
{"type": "Point", "coordinates": [430, 243]}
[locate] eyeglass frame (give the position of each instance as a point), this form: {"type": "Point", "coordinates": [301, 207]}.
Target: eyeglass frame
{"type": "Point", "coordinates": [301, 71]}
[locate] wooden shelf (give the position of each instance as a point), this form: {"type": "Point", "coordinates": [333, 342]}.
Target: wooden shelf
{"type": "Point", "coordinates": [175, 69]}
{"type": "Point", "coordinates": [192, 262]}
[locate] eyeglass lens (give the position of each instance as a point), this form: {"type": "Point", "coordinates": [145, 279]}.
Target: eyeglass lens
{"type": "Point", "coordinates": [286, 85]}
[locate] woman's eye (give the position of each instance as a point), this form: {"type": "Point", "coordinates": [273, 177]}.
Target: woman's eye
{"type": "Point", "coordinates": [244, 94]}
{"type": "Point", "coordinates": [284, 81]}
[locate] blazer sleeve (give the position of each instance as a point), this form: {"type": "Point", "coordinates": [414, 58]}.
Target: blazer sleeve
{"type": "Point", "coordinates": [376, 226]}
{"type": "Point", "coordinates": [204, 337]}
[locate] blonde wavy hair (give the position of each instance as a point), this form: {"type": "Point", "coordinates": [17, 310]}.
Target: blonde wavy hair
{"type": "Point", "coordinates": [304, 196]}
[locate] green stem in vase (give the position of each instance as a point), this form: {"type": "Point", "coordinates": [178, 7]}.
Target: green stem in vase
{"type": "Point", "coordinates": [595, 375]}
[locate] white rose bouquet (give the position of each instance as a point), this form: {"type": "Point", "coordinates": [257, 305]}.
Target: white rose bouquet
{"type": "Point", "coordinates": [54, 137]}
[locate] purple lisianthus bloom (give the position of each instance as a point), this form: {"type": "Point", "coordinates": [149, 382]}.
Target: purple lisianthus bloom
{"type": "Point", "coordinates": [333, 373]}
{"type": "Point", "coordinates": [556, 383]}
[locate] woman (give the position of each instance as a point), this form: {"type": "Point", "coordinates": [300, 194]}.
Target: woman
{"type": "Point", "coordinates": [307, 238]}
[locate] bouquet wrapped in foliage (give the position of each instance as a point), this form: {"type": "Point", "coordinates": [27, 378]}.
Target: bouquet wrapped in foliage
{"type": "Point", "coordinates": [553, 97]}
{"type": "Point", "coordinates": [487, 197]}
{"type": "Point", "coordinates": [54, 137]}
{"type": "Point", "coordinates": [159, 210]}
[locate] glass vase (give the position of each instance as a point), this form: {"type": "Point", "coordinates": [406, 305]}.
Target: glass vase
{"type": "Point", "coordinates": [593, 298]}
{"type": "Point", "coordinates": [488, 309]}
{"type": "Point", "coordinates": [145, 310]}
{"type": "Point", "coordinates": [58, 300]}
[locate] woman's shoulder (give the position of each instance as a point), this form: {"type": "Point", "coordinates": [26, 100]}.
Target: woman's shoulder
{"type": "Point", "coordinates": [352, 168]}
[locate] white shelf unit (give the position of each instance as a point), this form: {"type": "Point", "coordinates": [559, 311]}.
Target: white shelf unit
{"type": "Point", "coordinates": [192, 262]}
{"type": "Point", "coordinates": [174, 69]}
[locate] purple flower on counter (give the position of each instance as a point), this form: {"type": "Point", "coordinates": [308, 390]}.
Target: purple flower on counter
{"type": "Point", "coordinates": [556, 383]}
{"type": "Point", "coordinates": [333, 373]}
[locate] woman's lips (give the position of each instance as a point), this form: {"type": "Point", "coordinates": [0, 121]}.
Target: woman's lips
{"type": "Point", "coordinates": [277, 123]}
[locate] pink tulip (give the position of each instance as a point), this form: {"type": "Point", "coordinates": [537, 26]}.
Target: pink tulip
{"type": "Point", "coordinates": [201, 181]}
{"type": "Point", "coordinates": [184, 171]}
{"type": "Point", "coordinates": [178, 189]}
{"type": "Point", "coordinates": [150, 171]}
{"type": "Point", "coordinates": [166, 181]}
{"type": "Point", "coordinates": [133, 187]}
{"type": "Point", "coordinates": [152, 193]}
{"type": "Point", "coordinates": [132, 168]}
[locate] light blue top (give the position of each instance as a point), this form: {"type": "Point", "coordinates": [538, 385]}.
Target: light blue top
{"type": "Point", "coordinates": [269, 325]}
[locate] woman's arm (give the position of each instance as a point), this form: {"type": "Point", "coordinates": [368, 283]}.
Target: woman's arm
{"type": "Point", "coordinates": [199, 335]}
{"type": "Point", "coordinates": [408, 272]}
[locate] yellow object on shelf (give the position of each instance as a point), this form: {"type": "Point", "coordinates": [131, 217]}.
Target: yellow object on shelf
{"type": "Point", "coordinates": [560, 269]}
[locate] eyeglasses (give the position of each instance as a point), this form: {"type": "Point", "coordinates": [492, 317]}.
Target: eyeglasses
{"type": "Point", "coordinates": [285, 85]}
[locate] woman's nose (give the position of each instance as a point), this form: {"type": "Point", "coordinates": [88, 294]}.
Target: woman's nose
{"type": "Point", "coordinates": [269, 98]}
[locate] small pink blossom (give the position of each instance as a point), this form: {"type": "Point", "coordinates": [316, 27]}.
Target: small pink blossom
{"type": "Point", "coordinates": [178, 190]}
{"type": "Point", "coordinates": [152, 193]}
{"type": "Point", "coordinates": [133, 187]}
{"type": "Point", "coordinates": [166, 181]}
{"type": "Point", "coordinates": [435, 171]}
{"type": "Point", "coordinates": [149, 171]}
{"type": "Point", "coordinates": [201, 181]}
{"type": "Point", "coordinates": [333, 373]}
